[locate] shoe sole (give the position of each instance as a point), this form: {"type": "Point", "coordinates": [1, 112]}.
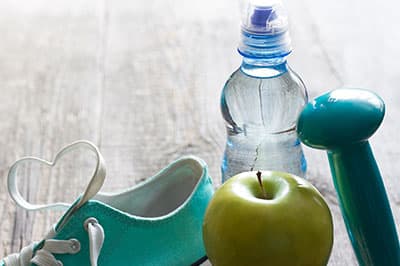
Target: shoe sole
{"type": "Point", "coordinates": [200, 261]}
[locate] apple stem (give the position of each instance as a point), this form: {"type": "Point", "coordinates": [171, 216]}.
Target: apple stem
{"type": "Point", "coordinates": [261, 184]}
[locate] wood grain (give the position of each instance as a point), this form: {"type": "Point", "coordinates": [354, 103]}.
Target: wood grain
{"type": "Point", "coordinates": [142, 80]}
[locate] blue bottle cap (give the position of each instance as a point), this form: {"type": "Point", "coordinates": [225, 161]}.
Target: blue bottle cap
{"type": "Point", "coordinates": [260, 16]}
{"type": "Point", "coordinates": [266, 16]}
{"type": "Point", "coordinates": [264, 29]}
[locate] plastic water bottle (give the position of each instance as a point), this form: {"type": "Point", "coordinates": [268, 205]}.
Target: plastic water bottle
{"type": "Point", "coordinates": [261, 100]}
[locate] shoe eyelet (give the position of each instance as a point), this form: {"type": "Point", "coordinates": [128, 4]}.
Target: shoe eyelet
{"type": "Point", "coordinates": [88, 221]}
{"type": "Point", "coordinates": [75, 245]}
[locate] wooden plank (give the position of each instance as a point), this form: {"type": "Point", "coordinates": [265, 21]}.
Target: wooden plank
{"type": "Point", "coordinates": [168, 72]}
{"type": "Point", "coordinates": [143, 80]}
{"type": "Point", "coordinates": [51, 79]}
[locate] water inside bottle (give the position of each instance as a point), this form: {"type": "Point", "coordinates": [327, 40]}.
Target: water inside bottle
{"type": "Point", "coordinates": [261, 115]}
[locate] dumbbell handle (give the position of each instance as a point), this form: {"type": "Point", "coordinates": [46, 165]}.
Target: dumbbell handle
{"type": "Point", "coordinates": [364, 204]}
{"type": "Point", "coordinates": [341, 121]}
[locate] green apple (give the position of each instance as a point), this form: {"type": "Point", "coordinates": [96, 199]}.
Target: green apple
{"type": "Point", "coordinates": [283, 222]}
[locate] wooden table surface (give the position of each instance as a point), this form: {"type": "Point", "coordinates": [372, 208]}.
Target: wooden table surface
{"type": "Point", "coordinates": [142, 80]}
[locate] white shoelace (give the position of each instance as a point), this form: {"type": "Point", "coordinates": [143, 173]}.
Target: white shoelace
{"type": "Point", "coordinates": [44, 256]}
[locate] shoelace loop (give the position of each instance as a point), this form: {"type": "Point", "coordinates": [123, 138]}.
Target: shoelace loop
{"type": "Point", "coordinates": [44, 256]}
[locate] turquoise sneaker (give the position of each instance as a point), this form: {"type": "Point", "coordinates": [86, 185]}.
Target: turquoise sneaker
{"type": "Point", "coordinates": [158, 222]}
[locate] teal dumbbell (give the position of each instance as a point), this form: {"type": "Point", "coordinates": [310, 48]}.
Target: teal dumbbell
{"type": "Point", "coordinates": [341, 121]}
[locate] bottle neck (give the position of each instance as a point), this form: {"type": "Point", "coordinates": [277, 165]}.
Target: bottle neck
{"type": "Point", "coordinates": [264, 45]}
{"type": "Point", "coordinates": [264, 53]}
{"type": "Point", "coordinates": [264, 67]}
